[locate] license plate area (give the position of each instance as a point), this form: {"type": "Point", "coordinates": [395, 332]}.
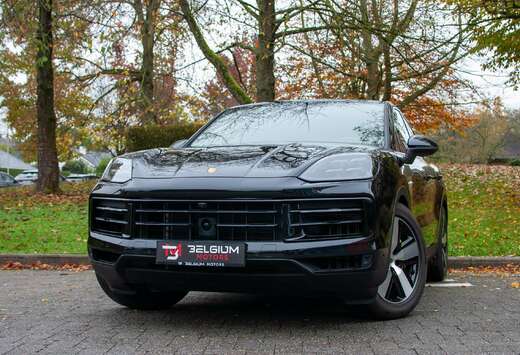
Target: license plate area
{"type": "Point", "coordinates": [201, 253]}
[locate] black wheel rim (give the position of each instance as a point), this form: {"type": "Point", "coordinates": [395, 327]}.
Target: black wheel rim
{"type": "Point", "coordinates": [405, 263]}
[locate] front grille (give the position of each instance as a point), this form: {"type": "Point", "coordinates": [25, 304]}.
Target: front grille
{"type": "Point", "coordinates": [230, 220]}
{"type": "Point", "coordinates": [326, 219]}
{"type": "Point", "coordinates": [110, 217]}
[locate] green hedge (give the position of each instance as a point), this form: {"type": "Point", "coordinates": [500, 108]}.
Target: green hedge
{"type": "Point", "coordinates": [75, 167]}
{"type": "Point", "coordinates": [102, 166]}
{"type": "Point", "coordinates": [154, 136]}
{"type": "Point", "coordinates": [12, 172]}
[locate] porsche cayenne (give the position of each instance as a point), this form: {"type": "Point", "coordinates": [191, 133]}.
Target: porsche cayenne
{"type": "Point", "coordinates": [324, 198]}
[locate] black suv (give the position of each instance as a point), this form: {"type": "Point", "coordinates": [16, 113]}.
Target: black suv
{"type": "Point", "coordinates": [329, 198]}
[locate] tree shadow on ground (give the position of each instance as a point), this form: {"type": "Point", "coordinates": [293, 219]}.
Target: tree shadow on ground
{"type": "Point", "coordinates": [243, 309]}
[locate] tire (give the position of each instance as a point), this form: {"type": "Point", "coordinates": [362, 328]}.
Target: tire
{"type": "Point", "coordinates": [143, 299]}
{"type": "Point", "coordinates": [438, 268]}
{"type": "Point", "coordinates": [403, 287]}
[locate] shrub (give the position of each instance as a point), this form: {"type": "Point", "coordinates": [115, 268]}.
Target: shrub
{"type": "Point", "coordinates": [12, 172]}
{"type": "Point", "coordinates": [154, 136]}
{"type": "Point", "coordinates": [102, 166]}
{"type": "Point", "coordinates": [75, 167]}
{"type": "Point", "coordinates": [515, 162]}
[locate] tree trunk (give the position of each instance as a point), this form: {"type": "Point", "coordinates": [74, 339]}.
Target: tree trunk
{"type": "Point", "coordinates": [371, 55]}
{"type": "Point", "coordinates": [387, 65]}
{"type": "Point", "coordinates": [48, 170]}
{"type": "Point", "coordinates": [265, 81]}
{"type": "Point", "coordinates": [147, 66]}
{"type": "Point", "coordinates": [373, 79]}
{"type": "Point", "coordinates": [147, 94]}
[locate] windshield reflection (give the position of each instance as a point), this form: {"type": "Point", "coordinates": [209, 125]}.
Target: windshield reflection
{"type": "Point", "coordinates": [276, 123]}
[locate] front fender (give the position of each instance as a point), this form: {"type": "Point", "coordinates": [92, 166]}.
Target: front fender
{"type": "Point", "coordinates": [389, 187]}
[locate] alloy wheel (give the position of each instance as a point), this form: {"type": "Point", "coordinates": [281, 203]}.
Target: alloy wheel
{"type": "Point", "coordinates": [405, 261]}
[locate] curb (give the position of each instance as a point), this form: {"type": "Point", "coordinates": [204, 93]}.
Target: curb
{"type": "Point", "coordinates": [458, 262]}
{"type": "Point", "coordinates": [455, 262]}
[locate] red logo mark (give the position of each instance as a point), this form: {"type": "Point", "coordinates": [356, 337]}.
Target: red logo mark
{"type": "Point", "coordinates": [172, 252]}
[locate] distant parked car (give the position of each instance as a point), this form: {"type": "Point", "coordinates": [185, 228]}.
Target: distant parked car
{"type": "Point", "coordinates": [81, 177]}
{"type": "Point", "coordinates": [27, 177]}
{"type": "Point", "coordinates": [30, 176]}
{"type": "Point", "coordinates": [7, 180]}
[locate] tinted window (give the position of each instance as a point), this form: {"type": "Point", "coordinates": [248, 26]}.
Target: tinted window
{"type": "Point", "coordinates": [408, 127]}
{"type": "Point", "coordinates": [405, 124]}
{"type": "Point", "coordinates": [297, 122]}
{"type": "Point", "coordinates": [400, 125]}
{"type": "Point", "coordinates": [401, 132]}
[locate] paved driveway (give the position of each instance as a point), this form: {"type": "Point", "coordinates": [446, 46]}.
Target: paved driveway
{"type": "Point", "coordinates": [60, 312]}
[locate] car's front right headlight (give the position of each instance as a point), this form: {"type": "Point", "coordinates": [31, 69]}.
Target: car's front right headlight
{"type": "Point", "coordinates": [118, 170]}
{"type": "Point", "coordinates": [346, 166]}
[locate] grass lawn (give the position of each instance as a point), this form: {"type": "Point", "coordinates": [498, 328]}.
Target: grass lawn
{"type": "Point", "coordinates": [484, 209]}
{"type": "Point", "coordinates": [44, 229]}
{"type": "Point", "coordinates": [34, 223]}
{"type": "Point", "coordinates": [484, 214]}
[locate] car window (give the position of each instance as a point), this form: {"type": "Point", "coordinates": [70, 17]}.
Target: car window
{"type": "Point", "coordinates": [399, 136]}
{"type": "Point", "coordinates": [400, 125]}
{"type": "Point", "coordinates": [407, 124]}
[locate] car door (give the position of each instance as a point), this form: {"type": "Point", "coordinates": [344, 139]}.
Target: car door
{"type": "Point", "coordinates": [421, 182]}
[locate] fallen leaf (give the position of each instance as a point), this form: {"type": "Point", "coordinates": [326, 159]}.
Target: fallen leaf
{"type": "Point", "coordinates": [502, 270]}
{"type": "Point", "coordinates": [41, 266]}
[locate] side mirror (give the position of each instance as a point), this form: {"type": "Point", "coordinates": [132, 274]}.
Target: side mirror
{"type": "Point", "coordinates": [419, 146]}
{"type": "Point", "coordinates": [179, 143]}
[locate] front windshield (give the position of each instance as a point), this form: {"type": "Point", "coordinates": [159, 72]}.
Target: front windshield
{"type": "Point", "coordinates": [296, 122]}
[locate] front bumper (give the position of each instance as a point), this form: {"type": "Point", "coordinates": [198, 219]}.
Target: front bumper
{"type": "Point", "coordinates": [348, 268]}
{"type": "Point", "coordinates": [326, 267]}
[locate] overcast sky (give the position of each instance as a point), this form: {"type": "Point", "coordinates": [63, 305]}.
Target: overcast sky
{"type": "Point", "coordinates": [491, 83]}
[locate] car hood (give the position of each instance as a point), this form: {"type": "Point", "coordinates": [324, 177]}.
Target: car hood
{"type": "Point", "coordinates": [236, 161]}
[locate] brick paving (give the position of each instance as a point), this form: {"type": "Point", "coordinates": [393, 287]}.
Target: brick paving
{"type": "Point", "coordinates": [51, 312]}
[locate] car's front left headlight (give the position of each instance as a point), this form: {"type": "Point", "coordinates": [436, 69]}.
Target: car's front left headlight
{"type": "Point", "coordinates": [347, 166]}
{"type": "Point", "coordinates": [118, 170]}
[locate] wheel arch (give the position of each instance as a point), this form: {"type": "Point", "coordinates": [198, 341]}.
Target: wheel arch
{"type": "Point", "coordinates": [403, 197]}
{"type": "Point", "coordinates": [443, 204]}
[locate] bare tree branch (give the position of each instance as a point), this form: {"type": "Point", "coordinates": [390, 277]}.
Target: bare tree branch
{"type": "Point", "coordinates": [220, 66]}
